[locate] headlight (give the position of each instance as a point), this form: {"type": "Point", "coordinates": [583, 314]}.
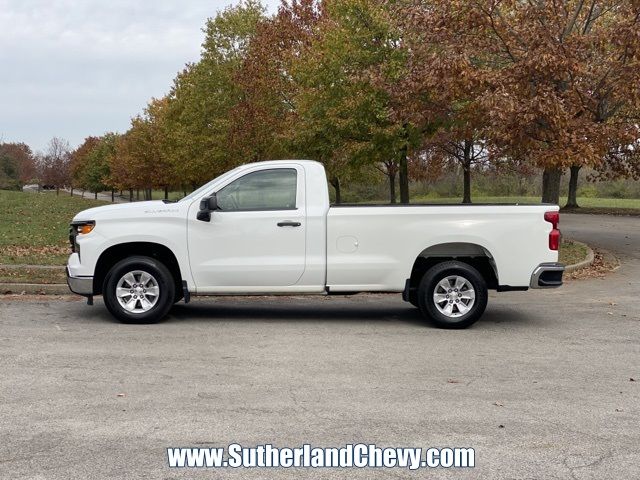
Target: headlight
{"type": "Point", "coordinates": [79, 228]}
{"type": "Point", "coordinates": [86, 228]}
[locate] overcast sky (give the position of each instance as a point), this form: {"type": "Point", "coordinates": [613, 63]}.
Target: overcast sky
{"type": "Point", "coordinates": [74, 68]}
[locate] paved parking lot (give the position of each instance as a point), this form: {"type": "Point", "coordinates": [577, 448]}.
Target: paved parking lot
{"type": "Point", "coordinates": [540, 387]}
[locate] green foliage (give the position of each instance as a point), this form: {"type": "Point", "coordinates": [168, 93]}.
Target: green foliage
{"type": "Point", "coordinates": [198, 117]}
{"type": "Point", "coordinates": [343, 117]}
{"type": "Point", "coordinates": [96, 173]}
{"type": "Point", "coordinates": [8, 172]}
{"type": "Point", "coordinates": [17, 165]}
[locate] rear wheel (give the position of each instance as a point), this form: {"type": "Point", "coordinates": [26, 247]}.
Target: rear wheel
{"type": "Point", "coordinates": [138, 290]}
{"type": "Point", "coordinates": [452, 295]}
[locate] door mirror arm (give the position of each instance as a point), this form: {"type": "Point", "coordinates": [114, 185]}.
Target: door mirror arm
{"type": "Point", "coordinates": [207, 205]}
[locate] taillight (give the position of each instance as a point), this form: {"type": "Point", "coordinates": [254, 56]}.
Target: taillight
{"type": "Point", "coordinates": [554, 239]}
{"type": "Point", "coordinates": [554, 235]}
{"type": "Point", "coordinates": [553, 218]}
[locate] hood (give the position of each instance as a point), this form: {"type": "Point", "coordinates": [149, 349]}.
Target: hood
{"type": "Point", "coordinates": [127, 210]}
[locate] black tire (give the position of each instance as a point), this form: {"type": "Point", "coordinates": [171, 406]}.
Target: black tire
{"type": "Point", "coordinates": [431, 280]}
{"type": "Point", "coordinates": [413, 299]}
{"type": "Point", "coordinates": [178, 296]}
{"type": "Point", "coordinates": [161, 275]}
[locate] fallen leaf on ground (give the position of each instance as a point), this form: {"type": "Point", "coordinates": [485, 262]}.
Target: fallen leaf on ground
{"type": "Point", "coordinates": [598, 269]}
{"type": "Point", "coordinates": [498, 404]}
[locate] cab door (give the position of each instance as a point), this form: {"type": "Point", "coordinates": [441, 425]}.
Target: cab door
{"type": "Point", "coordinates": [256, 239]}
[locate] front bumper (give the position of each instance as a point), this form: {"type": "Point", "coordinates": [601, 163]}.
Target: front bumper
{"type": "Point", "coordinates": [80, 285]}
{"type": "Point", "coordinates": [547, 275]}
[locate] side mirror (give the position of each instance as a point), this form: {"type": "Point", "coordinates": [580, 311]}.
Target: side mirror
{"type": "Point", "coordinates": [207, 205]}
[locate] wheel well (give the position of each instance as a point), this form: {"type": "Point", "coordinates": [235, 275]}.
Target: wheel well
{"type": "Point", "coordinates": [471, 254]}
{"type": "Point", "coordinates": [114, 254]}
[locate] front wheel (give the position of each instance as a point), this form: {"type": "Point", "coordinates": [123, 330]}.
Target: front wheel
{"type": "Point", "coordinates": [138, 290]}
{"type": "Point", "coordinates": [452, 295]}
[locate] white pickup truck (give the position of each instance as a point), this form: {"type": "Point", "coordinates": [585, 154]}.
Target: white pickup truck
{"type": "Point", "coordinates": [268, 228]}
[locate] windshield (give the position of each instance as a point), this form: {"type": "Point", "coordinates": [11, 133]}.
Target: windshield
{"type": "Point", "coordinates": [208, 185]}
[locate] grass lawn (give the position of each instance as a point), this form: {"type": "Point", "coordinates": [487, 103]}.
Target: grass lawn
{"type": "Point", "coordinates": [34, 227]}
{"type": "Point", "coordinates": [32, 275]}
{"type": "Point", "coordinates": [587, 202]}
{"type": "Point", "coordinates": [572, 253]}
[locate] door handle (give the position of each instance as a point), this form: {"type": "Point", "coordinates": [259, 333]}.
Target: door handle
{"type": "Point", "coordinates": [289, 223]}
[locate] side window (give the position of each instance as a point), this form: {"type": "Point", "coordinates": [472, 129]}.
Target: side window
{"type": "Point", "coordinates": [264, 190]}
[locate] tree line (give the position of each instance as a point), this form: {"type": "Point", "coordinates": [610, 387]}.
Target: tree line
{"type": "Point", "coordinates": [406, 89]}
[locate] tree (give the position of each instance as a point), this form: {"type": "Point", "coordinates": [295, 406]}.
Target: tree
{"type": "Point", "coordinates": [54, 164]}
{"type": "Point", "coordinates": [343, 114]}
{"type": "Point", "coordinates": [79, 163]}
{"type": "Point", "coordinates": [17, 165]}
{"type": "Point", "coordinates": [198, 111]}
{"type": "Point", "coordinates": [141, 158]}
{"type": "Point", "coordinates": [264, 116]}
{"type": "Point", "coordinates": [467, 153]}
{"type": "Point", "coordinates": [97, 173]}
{"type": "Point", "coordinates": [558, 81]}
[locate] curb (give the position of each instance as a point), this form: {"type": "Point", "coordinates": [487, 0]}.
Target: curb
{"type": "Point", "coordinates": [588, 261]}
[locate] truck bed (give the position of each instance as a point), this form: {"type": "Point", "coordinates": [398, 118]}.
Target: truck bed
{"type": "Point", "coordinates": [372, 247]}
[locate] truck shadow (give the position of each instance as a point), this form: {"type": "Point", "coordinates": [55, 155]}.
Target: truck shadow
{"type": "Point", "coordinates": [296, 313]}
{"type": "Point", "coordinates": [332, 313]}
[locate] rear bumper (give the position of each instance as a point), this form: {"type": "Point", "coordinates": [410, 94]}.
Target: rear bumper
{"type": "Point", "coordinates": [547, 275]}
{"type": "Point", "coordinates": [80, 285]}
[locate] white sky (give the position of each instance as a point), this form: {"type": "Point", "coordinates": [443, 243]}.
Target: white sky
{"type": "Point", "coordinates": [74, 68]}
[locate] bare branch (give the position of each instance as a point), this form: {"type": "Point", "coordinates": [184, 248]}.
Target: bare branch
{"type": "Point", "coordinates": [572, 21]}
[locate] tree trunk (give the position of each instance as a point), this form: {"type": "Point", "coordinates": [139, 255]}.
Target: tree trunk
{"type": "Point", "coordinates": [572, 200]}
{"type": "Point", "coordinates": [83, 193]}
{"type": "Point", "coordinates": [551, 185]}
{"type": "Point", "coordinates": [466, 194]}
{"type": "Point", "coordinates": [95, 195]}
{"type": "Point", "coordinates": [403, 177]}
{"type": "Point", "coordinates": [137, 194]}
{"type": "Point", "coordinates": [335, 182]}
{"type": "Point", "coordinates": [131, 194]}
{"type": "Point", "coordinates": [466, 170]}
{"type": "Point", "coordinates": [57, 191]}
{"type": "Point", "coordinates": [392, 187]}
{"type": "Point", "coordinates": [166, 192]}
{"type": "Point", "coordinates": [72, 191]}
{"type": "Point", "coordinates": [113, 194]}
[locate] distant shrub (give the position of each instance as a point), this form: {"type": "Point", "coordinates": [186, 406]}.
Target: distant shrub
{"type": "Point", "coordinates": [588, 191]}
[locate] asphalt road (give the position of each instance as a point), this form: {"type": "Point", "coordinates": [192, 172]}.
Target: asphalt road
{"type": "Point", "coordinates": [84, 397]}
